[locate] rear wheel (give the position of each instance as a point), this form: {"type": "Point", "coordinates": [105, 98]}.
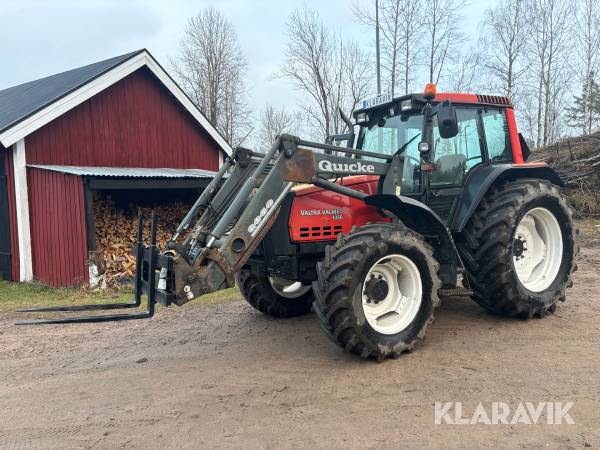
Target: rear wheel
{"type": "Point", "coordinates": [274, 296]}
{"type": "Point", "coordinates": [519, 249]}
{"type": "Point", "coordinates": [376, 290]}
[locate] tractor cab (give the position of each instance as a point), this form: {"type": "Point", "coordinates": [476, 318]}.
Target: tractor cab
{"type": "Point", "coordinates": [435, 169]}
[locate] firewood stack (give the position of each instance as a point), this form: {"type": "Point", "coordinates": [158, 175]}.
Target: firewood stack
{"type": "Point", "coordinates": [116, 230]}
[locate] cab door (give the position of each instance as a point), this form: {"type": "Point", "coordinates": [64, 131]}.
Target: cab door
{"type": "Point", "coordinates": [453, 159]}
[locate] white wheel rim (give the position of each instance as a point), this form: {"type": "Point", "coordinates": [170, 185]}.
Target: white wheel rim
{"type": "Point", "coordinates": [288, 288]}
{"type": "Point", "coordinates": [537, 249]}
{"type": "Point", "coordinates": [398, 309]}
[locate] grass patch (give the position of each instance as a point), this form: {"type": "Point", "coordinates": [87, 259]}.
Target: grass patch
{"type": "Point", "coordinates": [21, 295]}
{"type": "Point", "coordinates": [585, 203]}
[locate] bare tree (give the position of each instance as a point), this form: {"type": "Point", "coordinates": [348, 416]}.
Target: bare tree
{"type": "Point", "coordinates": [400, 29]}
{"type": "Point", "coordinates": [442, 23]}
{"type": "Point", "coordinates": [327, 70]}
{"type": "Point", "coordinates": [235, 118]}
{"type": "Point", "coordinates": [273, 122]}
{"type": "Point", "coordinates": [504, 38]}
{"type": "Point", "coordinates": [411, 33]}
{"type": "Point", "coordinates": [308, 53]}
{"type": "Point", "coordinates": [588, 45]}
{"type": "Point", "coordinates": [588, 37]}
{"type": "Point", "coordinates": [550, 24]}
{"type": "Point", "coordinates": [465, 72]}
{"type": "Point", "coordinates": [211, 67]}
{"type": "Point", "coordinates": [351, 84]}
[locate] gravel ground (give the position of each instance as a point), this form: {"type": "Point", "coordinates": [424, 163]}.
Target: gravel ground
{"type": "Point", "coordinates": [225, 376]}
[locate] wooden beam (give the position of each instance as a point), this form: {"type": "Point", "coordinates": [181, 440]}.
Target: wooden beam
{"type": "Point", "coordinates": [90, 219]}
{"type": "Point", "coordinates": [22, 206]}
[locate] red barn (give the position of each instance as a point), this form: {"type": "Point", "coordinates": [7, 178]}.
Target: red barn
{"type": "Point", "coordinates": [120, 123]}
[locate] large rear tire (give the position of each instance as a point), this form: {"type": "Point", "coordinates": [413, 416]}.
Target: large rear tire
{"type": "Point", "coordinates": [519, 249]}
{"type": "Point", "coordinates": [274, 296]}
{"type": "Point", "coordinates": [376, 291]}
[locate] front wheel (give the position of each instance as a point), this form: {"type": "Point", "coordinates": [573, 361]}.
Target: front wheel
{"type": "Point", "coordinates": [376, 291]}
{"type": "Point", "coordinates": [274, 296]}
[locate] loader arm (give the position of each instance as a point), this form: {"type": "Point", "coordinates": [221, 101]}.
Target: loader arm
{"type": "Point", "coordinates": [243, 210]}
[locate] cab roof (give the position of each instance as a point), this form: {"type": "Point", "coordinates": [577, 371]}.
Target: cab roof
{"type": "Point", "coordinates": [380, 101]}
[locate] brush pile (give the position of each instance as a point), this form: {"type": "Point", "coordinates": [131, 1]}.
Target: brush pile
{"type": "Point", "coordinates": [577, 162]}
{"type": "Point", "coordinates": [116, 230]}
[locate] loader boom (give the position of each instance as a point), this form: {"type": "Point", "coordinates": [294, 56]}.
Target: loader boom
{"type": "Point", "coordinates": [243, 210]}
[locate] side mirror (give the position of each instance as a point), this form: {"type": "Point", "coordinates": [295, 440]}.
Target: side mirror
{"type": "Point", "coordinates": [447, 121]}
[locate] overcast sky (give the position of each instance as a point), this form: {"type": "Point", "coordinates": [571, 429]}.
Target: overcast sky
{"type": "Point", "coordinates": [43, 37]}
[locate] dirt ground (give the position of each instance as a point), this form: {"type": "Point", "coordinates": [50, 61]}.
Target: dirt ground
{"type": "Point", "coordinates": [226, 376]}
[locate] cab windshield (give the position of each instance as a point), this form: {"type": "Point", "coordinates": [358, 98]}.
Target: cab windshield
{"type": "Point", "coordinates": [388, 137]}
{"type": "Point", "coordinates": [453, 158]}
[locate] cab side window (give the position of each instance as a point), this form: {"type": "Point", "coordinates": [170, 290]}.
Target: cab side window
{"type": "Point", "coordinates": [454, 157]}
{"type": "Point", "coordinates": [496, 135]}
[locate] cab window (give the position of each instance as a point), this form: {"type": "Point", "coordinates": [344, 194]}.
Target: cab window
{"type": "Point", "coordinates": [496, 135]}
{"type": "Point", "coordinates": [454, 157]}
{"type": "Point", "coordinates": [389, 137]}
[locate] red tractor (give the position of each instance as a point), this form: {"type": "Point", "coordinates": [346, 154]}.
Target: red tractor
{"type": "Point", "coordinates": [431, 197]}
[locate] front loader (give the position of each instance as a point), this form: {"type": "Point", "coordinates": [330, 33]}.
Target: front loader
{"type": "Point", "coordinates": [431, 198]}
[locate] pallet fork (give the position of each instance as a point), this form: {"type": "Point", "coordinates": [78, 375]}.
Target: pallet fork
{"type": "Point", "coordinates": [148, 260]}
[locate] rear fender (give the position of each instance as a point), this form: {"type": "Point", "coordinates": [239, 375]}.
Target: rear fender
{"type": "Point", "coordinates": [481, 179]}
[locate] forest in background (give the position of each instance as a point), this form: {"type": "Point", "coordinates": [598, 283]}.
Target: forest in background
{"type": "Point", "coordinates": [544, 55]}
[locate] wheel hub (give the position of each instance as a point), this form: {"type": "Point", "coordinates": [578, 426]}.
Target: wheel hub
{"type": "Point", "coordinates": [537, 249]}
{"type": "Point", "coordinates": [376, 289]}
{"type": "Point", "coordinates": [391, 294]}
{"type": "Point", "coordinates": [519, 247]}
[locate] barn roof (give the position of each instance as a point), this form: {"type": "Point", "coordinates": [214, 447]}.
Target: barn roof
{"type": "Point", "coordinates": [20, 102]}
{"type": "Point", "coordinates": [29, 106]}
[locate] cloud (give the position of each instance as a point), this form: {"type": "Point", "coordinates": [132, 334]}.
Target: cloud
{"type": "Point", "coordinates": [40, 38]}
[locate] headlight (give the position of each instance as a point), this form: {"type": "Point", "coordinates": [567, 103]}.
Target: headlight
{"type": "Point", "coordinates": [406, 105]}
{"type": "Point", "coordinates": [362, 117]}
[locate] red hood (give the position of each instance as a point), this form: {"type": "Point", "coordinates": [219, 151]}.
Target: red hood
{"type": "Point", "coordinates": [305, 189]}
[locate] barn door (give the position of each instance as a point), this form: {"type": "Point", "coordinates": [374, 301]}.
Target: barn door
{"type": "Point", "coordinates": [5, 263]}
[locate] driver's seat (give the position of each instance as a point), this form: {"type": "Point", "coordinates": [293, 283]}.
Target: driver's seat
{"type": "Point", "coordinates": [449, 170]}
